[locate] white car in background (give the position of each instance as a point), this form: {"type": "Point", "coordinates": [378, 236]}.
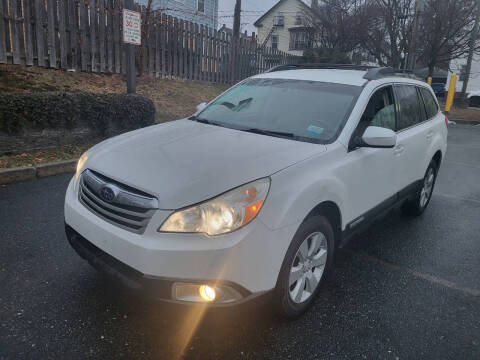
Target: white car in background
{"type": "Point", "coordinates": [254, 194]}
{"type": "Point", "coordinates": [473, 98]}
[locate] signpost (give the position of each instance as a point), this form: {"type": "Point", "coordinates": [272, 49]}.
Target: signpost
{"type": "Point", "coordinates": [132, 36]}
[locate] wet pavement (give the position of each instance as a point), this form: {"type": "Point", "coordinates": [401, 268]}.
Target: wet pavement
{"type": "Point", "coordinates": [405, 289]}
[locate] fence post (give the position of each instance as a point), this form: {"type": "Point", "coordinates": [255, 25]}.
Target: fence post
{"type": "Point", "coordinates": [101, 35]}
{"type": "Point", "coordinates": [27, 22]}
{"type": "Point", "coordinates": [158, 35]}
{"type": "Point", "coordinates": [15, 39]}
{"type": "Point", "coordinates": [3, 38]}
{"type": "Point", "coordinates": [93, 35]}
{"type": "Point", "coordinates": [52, 51]}
{"type": "Point", "coordinates": [110, 30]}
{"type": "Point", "coordinates": [163, 39]}
{"type": "Point", "coordinates": [63, 34]}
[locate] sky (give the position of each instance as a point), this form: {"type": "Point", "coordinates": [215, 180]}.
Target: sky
{"type": "Point", "coordinates": [251, 11]}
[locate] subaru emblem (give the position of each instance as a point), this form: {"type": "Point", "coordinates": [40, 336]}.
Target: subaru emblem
{"type": "Point", "coordinates": [107, 193]}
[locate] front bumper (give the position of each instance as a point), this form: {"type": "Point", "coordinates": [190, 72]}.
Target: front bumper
{"type": "Point", "coordinates": [248, 260]}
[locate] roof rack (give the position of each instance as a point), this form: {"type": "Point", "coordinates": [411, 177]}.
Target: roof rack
{"type": "Point", "coordinates": [372, 72]}
{"type": "Point", "coordinates": [380, 72]}
{"type": "Point", "coordinates": [319, 66]}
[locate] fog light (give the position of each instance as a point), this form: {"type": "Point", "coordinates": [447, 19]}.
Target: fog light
{"type": "Point", "coordinates": [207, 293]}
{"type": "Point", "coordinates": [202, 293]}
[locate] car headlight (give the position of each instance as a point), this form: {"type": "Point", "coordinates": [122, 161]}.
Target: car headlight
{"type": "Point", "coordinates": [80, 164]}
{"type": "Point", "coordinates": [223, 214]}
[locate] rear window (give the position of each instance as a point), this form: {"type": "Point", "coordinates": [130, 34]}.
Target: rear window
{"type": "Point", "coordinates": [431, 105]}
{"type": "Point", "coordinates": [409, 105]}
{"type": "Point", "coordinates": [310, 110]}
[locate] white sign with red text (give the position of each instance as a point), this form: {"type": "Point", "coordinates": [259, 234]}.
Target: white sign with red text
{"type": "Point", "coordinates": [132, 27]}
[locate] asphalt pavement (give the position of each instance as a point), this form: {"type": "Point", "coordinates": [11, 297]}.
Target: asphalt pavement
{"type": "Point", "coordinates": [405, 289]}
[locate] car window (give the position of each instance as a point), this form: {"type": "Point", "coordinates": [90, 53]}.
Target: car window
{"type": "Point", "coordinates": [380, 110]}
{"type": "Point", "coordinates": [308, 110]}
{"type": "Point", "coordinates": [431, 105]}
{"type": "Point", "coordinates": [411, 111]}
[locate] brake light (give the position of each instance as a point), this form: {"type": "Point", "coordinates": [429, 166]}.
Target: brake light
{"type": "Point", "coordinates": [446, 121]}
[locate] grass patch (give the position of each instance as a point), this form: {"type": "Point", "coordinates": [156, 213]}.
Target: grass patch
{"type": "Point", "coordinates": [471, 114]}
{"type": "Point", "coordinates": [42, 156]}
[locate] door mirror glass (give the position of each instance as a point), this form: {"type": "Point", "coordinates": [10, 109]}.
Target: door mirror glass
{"type": "Point", "coordinates": [201, 106]}
{"type": "Point", "coordinates": [378, 137]}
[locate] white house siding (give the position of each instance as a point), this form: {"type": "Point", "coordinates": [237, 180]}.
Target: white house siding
{"type": "Point", "coordinates": [187, 10]}
{"type": "Point", "coordinates": [474, 81]}
{"type": "Point", "coordinates": [289, 9]}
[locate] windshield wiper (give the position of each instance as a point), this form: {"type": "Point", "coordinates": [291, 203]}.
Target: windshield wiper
{"type": "Point", "coordinates": [203, 121]}
{"type": "Point", "coordinates": [272, 133]}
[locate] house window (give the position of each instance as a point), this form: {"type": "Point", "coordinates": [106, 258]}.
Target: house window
{"type": "Point", "coordinates": [201, 6]}
{"type": "Point", "coordinates": [275, 42]}
{"type": "Point", "coordinates": [299, 18]}
{"type": "Point", "coordinates": [279, 20]}
{"type": "Point", "coordinates": [300, 40]}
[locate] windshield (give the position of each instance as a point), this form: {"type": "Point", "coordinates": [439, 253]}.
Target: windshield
{"type": "Point", "coordinates": [302, 110]}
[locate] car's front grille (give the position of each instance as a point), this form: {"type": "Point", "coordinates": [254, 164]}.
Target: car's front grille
{"type": "Point", "coordinates": [116, 203]}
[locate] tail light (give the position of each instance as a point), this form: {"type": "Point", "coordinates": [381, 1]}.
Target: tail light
{"type": "Point", "coordinates": [446, 121]}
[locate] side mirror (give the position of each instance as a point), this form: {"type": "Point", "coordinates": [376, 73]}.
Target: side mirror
{"type": "Point", "coordinates": [377, 137]}
{"type": "Point", "coordinates": [201, 106]}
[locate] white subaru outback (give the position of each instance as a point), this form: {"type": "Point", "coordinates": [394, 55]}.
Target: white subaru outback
{"type": "Point", "coordinates": [254, 193]}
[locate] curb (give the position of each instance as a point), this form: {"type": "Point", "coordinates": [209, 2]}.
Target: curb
{"type": "Point", "coordinates": [21, 174]}
{"type": "Point", "coordinates": [465, 122]}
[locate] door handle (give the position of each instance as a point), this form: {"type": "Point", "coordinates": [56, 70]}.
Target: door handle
{"type": "Point", "coordinates": [399, 150]}
{"type": "Point", "coordinates": [430, 135]}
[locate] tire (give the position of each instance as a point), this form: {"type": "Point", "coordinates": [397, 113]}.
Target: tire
{"type": "Point", "coordinates": [419, 203]}
{"type": "Point", "coordinates": [314, 231]}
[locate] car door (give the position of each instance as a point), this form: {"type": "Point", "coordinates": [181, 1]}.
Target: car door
{"type": "Point", "coordinates": [413, 133]}
{"type": "Point", "coordinates": [368, 173]}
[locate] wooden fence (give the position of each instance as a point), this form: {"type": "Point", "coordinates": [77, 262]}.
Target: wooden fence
{"type": "Point", "coordinates": [86, 35]}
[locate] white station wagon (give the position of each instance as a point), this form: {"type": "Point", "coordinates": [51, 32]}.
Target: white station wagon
{"type": "Point", "coordinates": [254, 194]}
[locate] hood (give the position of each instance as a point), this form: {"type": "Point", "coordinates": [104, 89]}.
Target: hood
{"type": "Point", "coordinates": [185, 162]}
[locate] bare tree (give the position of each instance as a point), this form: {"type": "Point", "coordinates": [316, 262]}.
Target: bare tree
{"type": "Point", "coordinates": [376, 28]}
{"type": "Point", "coordinates": [145, 27]}
{"type": "Point", "coordinates": [383, 29]}
{"type": "Point", "coordinates": [335, 24]}
{"type": "Point", "coordinates": [387, 28]}
{"type": "Point", "coordinates": [445, 31]}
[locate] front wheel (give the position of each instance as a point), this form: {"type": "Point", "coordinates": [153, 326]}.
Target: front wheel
{"type": "Point", "coordinates": [308, 259]}
{"type": "Point", "coordinates": [418, 204]}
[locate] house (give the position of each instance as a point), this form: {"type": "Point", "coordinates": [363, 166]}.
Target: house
{"type": "Point", "coordinates": [459, 66]}
{"type": "Point", "coordinates": [284, 27]}
{"type": "Point", "coordinates": [203, 12]}
{"type": "Point", "coordinates": [228, 33]}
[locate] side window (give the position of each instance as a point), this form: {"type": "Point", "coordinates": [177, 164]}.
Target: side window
{"type": "Point", "coordinates": [380, 111]}
{"type": "Point", "coordinates": [274, 41]}
{"type": "Point", "coordinates": [411, 110]}
{"type": "Point", "coordinates": [431, 105]}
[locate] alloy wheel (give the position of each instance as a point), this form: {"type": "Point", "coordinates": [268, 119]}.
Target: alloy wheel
{"type": "Point", "coordinates": [307, 268]}
{"type": "Point", "coordinates": [427, 188]}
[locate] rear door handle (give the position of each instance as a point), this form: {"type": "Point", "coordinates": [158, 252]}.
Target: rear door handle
{"type": "Point", "coordinates": [399, 150]}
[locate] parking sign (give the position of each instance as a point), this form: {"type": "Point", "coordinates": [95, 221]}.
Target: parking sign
{"type": "Point", "coordinates": [132, 27]}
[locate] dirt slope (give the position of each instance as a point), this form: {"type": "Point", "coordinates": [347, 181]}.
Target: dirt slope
{"type": "Point", "coordinates": [173, 98]}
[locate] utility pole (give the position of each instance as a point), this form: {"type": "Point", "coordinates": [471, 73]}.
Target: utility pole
{"type": "Point", "coordinates": [412, 50]}
{"type": "Point", "coordinates": [473, 42]}
{"type": "Point", "coordinates": [236, 38]}
{"type": "Point", "coordinates": [130, 60]}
